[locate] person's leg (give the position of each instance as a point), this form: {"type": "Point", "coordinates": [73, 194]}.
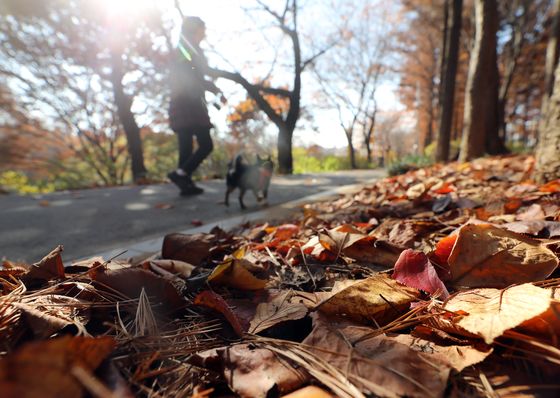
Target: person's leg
{"type": "Point", "coordinates": [204, 149]}
{"type": "Point", "coordinates": [185, 141]}
{"type": "Point", "coordinates": [179, 177]}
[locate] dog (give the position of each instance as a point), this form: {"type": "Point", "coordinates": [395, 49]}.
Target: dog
{"type": "Point", "coordinates": [255, 177]}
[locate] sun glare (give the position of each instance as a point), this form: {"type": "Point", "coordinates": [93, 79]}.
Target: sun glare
{"type": "Point", "coordinates": [116, 9]}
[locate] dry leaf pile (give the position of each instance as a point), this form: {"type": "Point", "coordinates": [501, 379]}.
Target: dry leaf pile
{"type": "Point", "coordinates": [440, 282]}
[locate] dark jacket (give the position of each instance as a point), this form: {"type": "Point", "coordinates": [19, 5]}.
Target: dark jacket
{"type": "Point", "coordinates": [188, 106]}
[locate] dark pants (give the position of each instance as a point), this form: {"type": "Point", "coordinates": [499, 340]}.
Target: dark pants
{"type": "Point", "coordinates": [189, 161]}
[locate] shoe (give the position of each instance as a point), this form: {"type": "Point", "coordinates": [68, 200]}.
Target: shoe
{"type": "Point", "coordinates": [191, 190]}
{"type": "Point", "coordinates": [183, 182]}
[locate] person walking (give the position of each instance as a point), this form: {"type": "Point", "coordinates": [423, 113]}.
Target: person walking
{"type": "Point", "coordinates": [188, 113]}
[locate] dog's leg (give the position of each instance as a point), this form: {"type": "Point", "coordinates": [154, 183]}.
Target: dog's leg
{"type": "Point", "coordinates": [241, 193]}
{"type": "Point", "coordinates": [228, 191]}
{"type": "Point", "coordinates": [257, 195]}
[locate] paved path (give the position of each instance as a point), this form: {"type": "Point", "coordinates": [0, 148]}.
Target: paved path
{"type": "Point", "coordinates": [90, 222]}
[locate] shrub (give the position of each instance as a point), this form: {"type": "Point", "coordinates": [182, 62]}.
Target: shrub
{"type": "Point", "coordinates": [18, 182]}
{"type": "Point", "coordinates": [407, 163]}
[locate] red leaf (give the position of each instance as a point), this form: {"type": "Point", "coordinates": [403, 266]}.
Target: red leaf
{"type": "Point", "coordinates": [214, 301]}
{"type": "Point", "coordinates": [444, 247]}
{"type": "Point", "coordinates": [444, 189]}
{"type": "Point", "coordinates": [552, 186]}
{"type": "Point", "coordinates": [414, 269]}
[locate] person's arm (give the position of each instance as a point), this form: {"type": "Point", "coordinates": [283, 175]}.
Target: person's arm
{"type": "Point", "coordinates": [209, 84]}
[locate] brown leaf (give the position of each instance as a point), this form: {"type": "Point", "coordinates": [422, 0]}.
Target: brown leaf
{"type": "Point", "coordinates": [340, 238]}
{"type": "Point", "coordinates": [163, 206]}
{"type": "Point", "coordinates": [214, 301]}
{"type": "Point", "coordinates": [175, 267]}
{"type": "Point", "coordinates": [488, 256]}
{"type": "Point", "coordinates": [235, 273]}
{"type": "Point", "coordinates": [378, 365]}
{"type": "Point", "coordinates": [43, 369]}
{"type": "Point", "coordinates": [533, 212]}
{"type": "Point", "coordinates": [547, 229]}
{"type": "Point", "coordinates": [488, 313]}
{"type": "Point", "coordinates": [50, 267]}
{"type": "Point", "coordinates": [456, 356]}
{"type": "Point", "coordinates": [48, 314]}
{"type": "Point", "coordinates": [379, 297]}
{"type": "Point", "coordinates": [193, 249]}
{"type": "Point", "coordinates": [279, 309]}
{"type": "Point", "coordinates": [253, 372]}
{"type": "Point", "coordinates": [130, 281]}
{"type": "Point", "coordinates": [547, 324]}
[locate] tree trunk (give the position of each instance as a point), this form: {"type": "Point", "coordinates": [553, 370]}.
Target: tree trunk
{"type": "Point", "coordinates": [351, 151]}
{"type": "Point", "coordinates": [131, 129]}
{"type": "Point", "coordinates": [284, 145]}
{"type": "Point", "coordinates": [552, 50]}
{"type": "Point", "coordinates": [449, 65]}
{"type": "Point", "coordinates": [548, 148]}
{"type": "Point", "coordinates": [548, 151]}
{"type": "Point", "coordinates": [480, 131]}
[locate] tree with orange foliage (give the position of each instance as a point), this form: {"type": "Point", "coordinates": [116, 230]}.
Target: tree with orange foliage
{"type": "Point", "coordinates": [419, 44]}
{"type": "Point", "coordinates": [248, 126]}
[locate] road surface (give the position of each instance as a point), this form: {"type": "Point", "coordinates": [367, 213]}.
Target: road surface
{"type": "Point", "coordinates": [91, 221]}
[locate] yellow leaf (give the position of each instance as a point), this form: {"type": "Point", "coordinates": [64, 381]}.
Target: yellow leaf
{"type": "Point", "coordinates": [379, 297]}
{"type": "Point", "coordinates": [490, 312]}
{"type": "Point", "coordinates": [233, 273]}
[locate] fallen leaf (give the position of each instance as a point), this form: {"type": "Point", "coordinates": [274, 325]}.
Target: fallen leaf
{"type": "Point", "coordinates": [488, 313]}
{"type": "Point", "coordinates": [309, 392]}
{"type": "Point", "coordinates": [378, 365]}
{"type": "Point", "coordinates": [458, 357]}
{"type": "Point", "coordinates": [50, 313]}
{"type": "Point", "coordinates": [488, 256]}
{"type": "Point", "coordinates": [43, 369]}
{"type": "Point", "coordinates": [547, 324]}
{"type": "Point", "coordinates": [551, 187]}
{"type": "Point", "coordinates": [441, 204]}
{"type": "Point", "coordinates": [174, 266]}
{"type": "Point", "coordinates": [234, 273]}
{"type": "Point", "coordinates": [193, 249]}
{"type": "Point", "coordinates": [533, 212]}
{"type": "Point", "coordinates": [445, 188]}
{"type": "Point", "coordinates": [279, 309]}
{"type": "Point", "coordinates": [253, 372]}
{"type": "Point", "coordinates": [163, 206]}
{"type": "Point", "coordinates": [196, 222]}
{"type": "Point", "coordinates": [129, 282]}
{"type": "Point", "coordinates": [214, 301]}
{"type": "Point", "coordinates": [416, 191]}
{"type": "Point", "coordinates": [545, 229]}
{"type": "Point", "coordinates": [444, 247]}
{"type": "Point", "coordinates": [379, 297]}
{"type": "Point", "coordinates": [414, 269]}
{"type": "Point", "coordinates": [44, 203]}
{"type": "Point", "coordinates": [284, 231]}
{"type": "Point", "coordinates": [50, 267]}
{"type": "Point", "coordinates": [340, 238]}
